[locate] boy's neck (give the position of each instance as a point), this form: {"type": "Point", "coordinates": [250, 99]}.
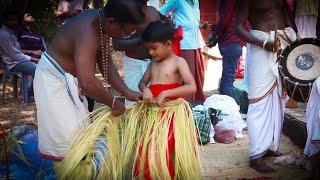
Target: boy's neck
{"type": "Point", "coordinates": [171, 55]}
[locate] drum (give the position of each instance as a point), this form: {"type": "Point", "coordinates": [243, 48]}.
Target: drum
{"type": "Point", "coordinates": [299, 66]}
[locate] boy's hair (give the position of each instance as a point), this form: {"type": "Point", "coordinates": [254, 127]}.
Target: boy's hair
{"type": "Point", "coordinates": [122, 11]}
{"type": "Point", "coordinates": [158, 31]}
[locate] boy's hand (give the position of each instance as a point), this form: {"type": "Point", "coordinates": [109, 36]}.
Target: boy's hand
{"type": "Point", "coordinates": [148, 96]}
{"type": "Point", "coordinates": [161, 98]}
{"type": "Point", "coordinates": [118, 108]}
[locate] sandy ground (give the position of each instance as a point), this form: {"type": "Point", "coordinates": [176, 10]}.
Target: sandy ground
{"type": "Point", "coordinates": [230, 161]}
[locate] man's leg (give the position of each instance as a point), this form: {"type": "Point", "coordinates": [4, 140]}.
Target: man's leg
{"type": "Point", "coordinates": [28, 68]}
{"type": "Point", "coordinates": [25, 68]}
{"type": "Point", "coordinates": [264, 121]}
{"type": "Point", "coordinates": [231, 54]}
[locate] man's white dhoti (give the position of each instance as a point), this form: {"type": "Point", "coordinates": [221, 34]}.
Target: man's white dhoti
{"type": "Point", "coordinates": [133, 72]}
{"type": "Point", "coordinates": [60, 108]}
{"type": "Point", "coordinates": [313, 120]}
{"type": "Point", "coordinates": [266, 108]}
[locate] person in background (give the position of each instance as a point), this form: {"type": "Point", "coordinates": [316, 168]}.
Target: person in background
{"type": "Point", "coordinates": [306, 14]}
{"type": "Point", "coordinates": [68, 9]}
{"type": "Point", "coordinates": [12, 55]}
{"type": "Point", "coordinates": [271, 31]}
{"type": "Point", "coordinates": [136, 57]}
{"type": "Point", "coordinates": [230, 44]}
{"type": "Point", "coordinates": [30, 42]}
{"type": "Point", "coordinates": [186, 13]}
{"type": "Point", "coordinates": [312, 148]}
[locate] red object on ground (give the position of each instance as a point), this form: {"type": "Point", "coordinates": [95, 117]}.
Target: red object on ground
{"type": "Point", "coordinates": [240, 68]}
{"type": "Point", "coordinates": [156, 89]}
{"type": "Point", "coordinates": [225, 136]}
{"type": "Point", "coordinates": [177, 37]}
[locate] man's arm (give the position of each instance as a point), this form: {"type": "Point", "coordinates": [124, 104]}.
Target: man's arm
{"type": "Point", "coordinates": [242, 17]}
{"type": "Point", "coordinates": [85, 50]}
{"type": "Point", "coordinates": [117, 83]}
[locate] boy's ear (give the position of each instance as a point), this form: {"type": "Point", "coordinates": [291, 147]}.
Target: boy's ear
{"type": "Point", "coordinates": [168, 43]}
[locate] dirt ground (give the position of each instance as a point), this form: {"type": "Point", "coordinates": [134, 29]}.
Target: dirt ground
{"type": "Point", "coordinates": [219, 161]}
{"type": "Point", "coordinates": [230, 161]}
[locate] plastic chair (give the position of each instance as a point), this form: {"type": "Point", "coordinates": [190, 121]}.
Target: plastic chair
{"type": "Point", "coordinates": [24, 84]}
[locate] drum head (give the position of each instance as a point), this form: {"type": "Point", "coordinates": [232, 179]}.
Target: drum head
{"type": "Point", "coordinates": [300, 62]}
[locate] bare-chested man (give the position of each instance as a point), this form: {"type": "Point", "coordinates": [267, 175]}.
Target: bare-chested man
{"type": "Point", "coordinates": [70, 64]}
{"type": "Point", "coordinates": [266, 106]}
{"type": "Point", "coordinates": [137, 58]}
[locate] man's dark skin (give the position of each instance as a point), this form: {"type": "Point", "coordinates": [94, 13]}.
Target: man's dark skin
{"type": "Point", "coordinates": [131, 46]}
{"type": "Point", "coordinates": [12, 23]}
{"type": "Point", "coordinates": [264, 16]}
{"type": "Point", "coordinates": [76, 48]}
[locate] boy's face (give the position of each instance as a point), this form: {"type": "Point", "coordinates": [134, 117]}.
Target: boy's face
{"type": "Point", "coordinates": [159, 50]}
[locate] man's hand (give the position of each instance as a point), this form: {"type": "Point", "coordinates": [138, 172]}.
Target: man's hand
{"type": "Point", "coordinates": [133, 95]}
{"type": "Point", "coordinates": [273, 46]}
{"type": "Point", "coordinates": [161, 98]}
{"type": "Point", "coordinates": [118, 108]}
{"type": "Point", "coordinates": [148, 96]}
{"type": "Point", "coordinates": [212, 40]}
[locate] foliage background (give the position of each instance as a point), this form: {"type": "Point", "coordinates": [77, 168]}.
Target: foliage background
{"type": "Point", "coordinates": [43, 11]}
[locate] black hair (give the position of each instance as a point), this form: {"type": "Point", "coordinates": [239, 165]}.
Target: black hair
{"type": "Point", "coordinates": [125, 11]}
{"type": "Point", "coordinates": [158, 31]}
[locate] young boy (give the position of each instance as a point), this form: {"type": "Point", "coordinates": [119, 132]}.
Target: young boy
{"type": "Point", "coordinates": [168, 77]}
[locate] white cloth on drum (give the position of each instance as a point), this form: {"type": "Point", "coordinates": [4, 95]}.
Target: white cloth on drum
{"type": "Point", "coordinates": [306, 25]}
{"type": "Point", "coordinates": [264, 121]}
{"type": "Point", "coordinates": [133, 72]}
{"type": "Point", "coordinates": [313, 119]}
{"type": "Point", "coordinates": [60, 108]}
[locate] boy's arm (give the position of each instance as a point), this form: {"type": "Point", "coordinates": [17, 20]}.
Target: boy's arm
{"type": "Point", "coordinates": [145, 79]}
{"type": "Point", "coordinates": [189, 85]}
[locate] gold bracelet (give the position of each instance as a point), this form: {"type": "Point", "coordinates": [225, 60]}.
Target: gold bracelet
{"type": "Point", "coordinates": [113, 102]}
{"type": "Point", "coordinates": [264, 44]}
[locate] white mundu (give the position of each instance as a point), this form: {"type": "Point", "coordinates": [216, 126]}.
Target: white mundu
{"type": "Point", "coordinates": [60, 108]}
{"type": "Point", "coordinates": [133, 72]}
{"type": "Point", "coordinates": [266, 107]}
{"type": "Point", "coordinates": [313, 120]}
